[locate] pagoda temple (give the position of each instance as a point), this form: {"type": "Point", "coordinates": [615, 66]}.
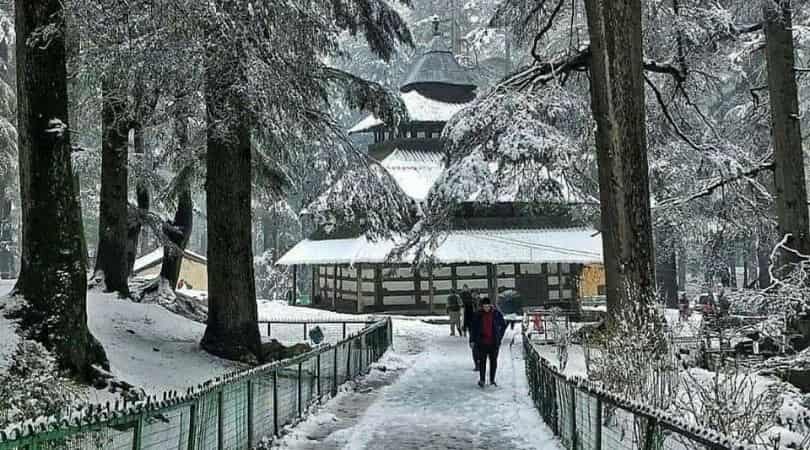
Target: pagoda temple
{"type": "Point", "coordinates": [543, 255]}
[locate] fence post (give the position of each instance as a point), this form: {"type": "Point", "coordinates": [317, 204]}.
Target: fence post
{"type": "Point", "coordinates": [268, 329]}
{"type": "Point", "coordinates": [275, 402]}
{"type": "Point", "coordinates": [250, 412]}
{"type": "Point", "coordinates": [344, 330]}
{"type": "Point", "coordinates": [318, 371]}
{"type": "Point", "coordinates": [349, 359]}
{"type": "Point", "coordinates": [572, 390]}
{"type": "Point", "coordinates": [137, 432]}
{"type": "Point", "coordinates": [300, 409]}
{"type": "Point", "coordinates": [335, 372]}
{"type": "Point", "coordinates": [220, 420]}
{"type": "Point", "coordinates": [649, 438]}
{"type": "Point", "coordinates": [305, 331]}
{"type": "Point", "coordinates": [598, 436]}
{"type": "Point", "coordinates": [192, 426]}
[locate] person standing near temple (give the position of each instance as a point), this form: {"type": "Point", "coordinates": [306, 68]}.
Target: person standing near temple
{"type": "Point", "coordinates": [454, 311]}
{"type": "Point", "coordinates": [486, 332]}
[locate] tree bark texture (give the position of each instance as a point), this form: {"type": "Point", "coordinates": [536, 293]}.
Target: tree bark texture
{"type": "Point", "coordinates": [7, 238]}
{"type": "Point", "coordinates": [232, 330]}
{"type": "Point", "coordinates": [617, 101]}
{"type": "Point", "coordinates": [53, 279]}
{"type": "Point", "coordinates": [111, 254]}
{"type": "Point", "coordinates": [789, 177]}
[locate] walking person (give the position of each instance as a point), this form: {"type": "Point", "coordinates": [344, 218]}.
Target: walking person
{"type": "Point", "coordinates": [486, 331]}
{"type": "Point", "coordinates": [468, 303]}
{"type": "Point", "coordinates": [454, 311]}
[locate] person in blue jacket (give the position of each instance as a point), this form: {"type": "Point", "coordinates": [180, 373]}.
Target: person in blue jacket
{"type": "Point", "coordinates": [486, 332]}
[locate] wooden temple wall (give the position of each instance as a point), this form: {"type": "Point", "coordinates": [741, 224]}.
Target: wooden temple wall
{"type": "Point", "coordinates": [398, 288]}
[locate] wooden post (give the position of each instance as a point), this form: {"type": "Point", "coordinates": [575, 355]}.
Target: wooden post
{"type": "Point", "coordinates": [378, 287]}
{"type": "Point", "coordinates": [314, 284]}
{"type": "Point", "coordinates": [269, 328]}
{"type": "Point", "coordinates": [492, 283]}
{"type": "Point", "coordinates": [334, 286]}
{"type": "Point", "coordinates": [295, 285]}
{"type": "Point", "coordinates": [344, 330]}
{"type": "Point", "coordinates": [453, 280]}
{"type": "Point", "coordinates": [360, 305]}
{"type": "Point", "coordinates": [430, 288]}
{"type": "Point", "coordinates": [417, 287]}
{"type": "Point", "coordinates": [305, 331]}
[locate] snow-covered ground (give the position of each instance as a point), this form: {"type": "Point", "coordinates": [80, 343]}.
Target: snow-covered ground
{"type": "Point", "coordinates": [150, 347]}
{"type": "Point", "coordinates": [428, 399]}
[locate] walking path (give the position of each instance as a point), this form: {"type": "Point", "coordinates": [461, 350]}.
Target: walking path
{"type": "Point", "coordinates": [427, 398]}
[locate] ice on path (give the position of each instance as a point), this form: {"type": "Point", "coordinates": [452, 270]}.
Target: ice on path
{"type": "Point", "coordinates": [434, 403]}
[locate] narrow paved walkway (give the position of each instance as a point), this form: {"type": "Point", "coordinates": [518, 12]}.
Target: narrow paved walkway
{"type": "Point", "coordinates": [428, 399]}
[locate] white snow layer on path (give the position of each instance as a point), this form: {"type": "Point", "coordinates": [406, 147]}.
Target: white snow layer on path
{"type": "Point", "coordinates": [434, 403]}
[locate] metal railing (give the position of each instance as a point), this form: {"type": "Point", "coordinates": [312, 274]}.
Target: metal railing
{"type": "Point", "coordinates": [586, 417]}
{"type": "Point", "coordinates": [238, 411]}
{"type": "Point", "coordinates": [330, 328]}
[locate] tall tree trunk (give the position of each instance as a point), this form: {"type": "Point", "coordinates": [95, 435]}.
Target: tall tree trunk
{"type": "Point", "coordinates": [111, 254]}
{"type": "Point", "coordinates": [682, 268]}
{"type": "Point", "coordinates": [617, 101]}
{"type": "Point", "coordinates": [791, 191]}
{"type": "Point", "coordinates": [178, 230]}
{"type": "Point", "coordinates": [53, 280]}
{"type": "Point", "coordinates": [7, 244]}
{"type": "Point", "coordinates": [136, 215]}
{"type": "Point", "coordinates": [232, 330]}
{"type": "Point", "coordinates": [667, 276]}
{"type": "Point", "coordinates": [267, 232]}
{"type": "Point", "coordinates": [763, 262]}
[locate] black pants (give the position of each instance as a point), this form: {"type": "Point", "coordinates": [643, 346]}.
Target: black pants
{"type": "Point", "coordinates": [485, 352]}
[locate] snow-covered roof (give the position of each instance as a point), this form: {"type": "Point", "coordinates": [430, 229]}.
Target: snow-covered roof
{"type": "Point", "coordinates": [420, 109]}
{"type": "Point", "coordinates": [569, 245]}
{"type": "Point", "coordinates": [437, 65]}
{"type": "Point", "coordinates": [156, 256]}
{"type": "Point", "coordinates": [414, 171]}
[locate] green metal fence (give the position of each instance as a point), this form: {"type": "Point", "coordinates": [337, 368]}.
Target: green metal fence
{"type": "Point", "coordinates": [586, 417]}
{"type": "Point", "coordinates": [238, 411]}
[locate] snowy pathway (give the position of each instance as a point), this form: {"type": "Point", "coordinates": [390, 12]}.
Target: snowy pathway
{"type": "Point", "coordinates": [430, 400]}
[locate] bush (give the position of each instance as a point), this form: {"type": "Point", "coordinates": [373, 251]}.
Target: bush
{"type": "Point", "coordinates": [32, 387]}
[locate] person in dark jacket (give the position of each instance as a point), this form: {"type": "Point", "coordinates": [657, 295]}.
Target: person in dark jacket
{"type": "Point", "coordinates": [454, 312]}
{"type": "Point", "coordinates": [486, 331]}
{"type": "Point", "coordinates": [469, 306]}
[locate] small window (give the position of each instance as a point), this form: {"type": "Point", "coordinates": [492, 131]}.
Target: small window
{"type": "Point", "coordinates": [553, 281]}
{"type": "Point", "coordinates": [554, 295]}
{"type": "Point", "coordinates": [421, 134]}
{"type": "Point", "coordinates": [552, 268]}
{"type": "Point", "coordinates": [566, 294]}
{"type": "Point", "coordinates": [564, 268]}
